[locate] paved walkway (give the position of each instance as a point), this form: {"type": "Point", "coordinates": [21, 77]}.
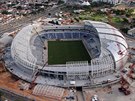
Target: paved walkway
{"type": "Point", "coordinates": [79, 96]}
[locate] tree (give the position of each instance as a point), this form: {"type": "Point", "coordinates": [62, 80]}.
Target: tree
{"type": "Point", "coordinates": [125, 20]}
{"type": "Point", "coordinates": [124, 30]}
{"type": "Point", "coordinates": [119, 12]}
{"type": "Point", "coordinates": [1, 94]}
{"type": "Point", "coordinates": [5, 12]}
{"type": "Point", "coordinates": [60, 2]}
{"type": "Point", "coordinates": [19, 8]}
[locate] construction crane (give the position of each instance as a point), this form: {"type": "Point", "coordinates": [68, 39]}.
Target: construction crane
{"type": "Point", "coordinates": [35, 75]}
{"type": "Point", "coordinates": [126, 80]}
{"type": "Point", "coordinates": [120, 53]}
{"type": "Point", "coordinates": [124, 86]}
{"type": "Point", "coordinates": [37, 70]}
{"type": "Point", "coordinates": [131, 71]}
{"type": "Point", "coordinates": [39, 36]}
{"type": "Point", "coordinates": [132, 66]}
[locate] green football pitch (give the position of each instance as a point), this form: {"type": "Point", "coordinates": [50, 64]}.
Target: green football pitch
{"type": "Point", "coordinates": [60, 52]}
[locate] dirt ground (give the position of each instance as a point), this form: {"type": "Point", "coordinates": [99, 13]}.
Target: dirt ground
{"type": "Point", "coordinates": [107, 94]}
{"type": "Point", "coordinates": [8, 82]}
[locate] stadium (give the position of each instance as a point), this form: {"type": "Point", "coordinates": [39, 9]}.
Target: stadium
{"type": "Point", "coordinates": [67, 55]}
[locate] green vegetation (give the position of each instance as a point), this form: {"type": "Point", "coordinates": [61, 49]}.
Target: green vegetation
{"type": "Point", "coordinates": [5, 12]}
{"type": "Point", "coordinates": [97, 16]}
{"type": "Point", "coordinates": [60, 52]}
{"type": "Point", "coordinates": [60, 2]}
{"type": "Point", "coordinates": [124, 30]}
{"type": "Point", "coordinates": [101, 4]}
{"type": "Point", "coordinates": [117, 20]}
{"type": "Point", "coordinates": [121, 19]}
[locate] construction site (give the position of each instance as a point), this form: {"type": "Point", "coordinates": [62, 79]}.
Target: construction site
{"type": "Point", "coordinates": [25, 71]}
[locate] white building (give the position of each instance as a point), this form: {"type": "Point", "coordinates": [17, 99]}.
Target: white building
{"type": "Point", "coordinates": [131, 32]}
{"type": "Point", "coordinates": [36, 1]}
{"type": "Point", "coordinates": [109, 1]}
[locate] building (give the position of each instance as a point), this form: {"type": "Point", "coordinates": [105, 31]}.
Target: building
{"type": "Point", "coordinates": [28, 56]}
{"type": "Point", "coordinates": [132, 32]}
{"type": "Point", "coordinates": [109, 1]}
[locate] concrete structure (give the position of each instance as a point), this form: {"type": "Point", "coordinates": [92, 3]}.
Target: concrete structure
{"type": "Point", "coordinates": [36, 1]}
{"type": "Point", "coordinates": [131, 3]}
{"type": "Point", "coordinates": [109, 1]}
{"type": "Point", "coordinates": [132, 32]}
{"type": "Point", "coordinates": [105, 44]}
{"type": "Point", "coordinates": [5, 41]}
{"type": "Point", "coordinates": [49, 91]}
{"type": "Point", "coordinates": [115, 2]}
{"type": "Point", "coordinates": [85, 3]}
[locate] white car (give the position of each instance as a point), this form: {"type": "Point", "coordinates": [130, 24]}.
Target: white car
{"type": "Point", "coordinates": [94, 98]}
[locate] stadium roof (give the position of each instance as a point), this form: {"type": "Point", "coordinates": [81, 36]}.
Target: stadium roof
{"type": "Point", "coordinates": [117, 41]}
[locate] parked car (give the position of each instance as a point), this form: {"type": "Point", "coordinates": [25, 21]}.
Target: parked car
{"type": "Point", "coordinates": [94, 98]}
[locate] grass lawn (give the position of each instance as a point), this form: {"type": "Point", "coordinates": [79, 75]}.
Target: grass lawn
{"type": "Point", "coordinates": [60, 52]}
{"type": "Point", "coordinates": [93, 16]}
{"type": "Point", "coordinates": [118, 22]}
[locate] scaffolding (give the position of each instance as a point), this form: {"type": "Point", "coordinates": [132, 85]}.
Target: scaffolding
{"type": "Point", "coordinates": [49, 91]}
{"type": "Point", "coordinates": [77, 70]}
{"type": "Point", "coordinates": [102, 66]}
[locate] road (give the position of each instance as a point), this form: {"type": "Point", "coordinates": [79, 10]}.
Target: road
{"type": "Point", "coordinates": [80, 96]}
{"type": "Point", "coordinates": [18, 23]}
{"type": "Point", "coordinates": [13, 97]}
